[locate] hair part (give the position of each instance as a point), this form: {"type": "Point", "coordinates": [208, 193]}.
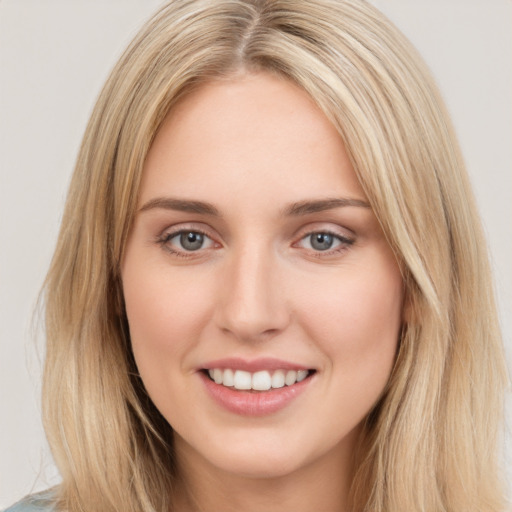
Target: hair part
{"type": "Point", "coordinates": [431, 441]}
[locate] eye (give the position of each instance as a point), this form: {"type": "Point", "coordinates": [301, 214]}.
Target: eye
{"type": "Point", "coordinates": [322, 241]}
{"type": "Point", "coordinates": [187, 241]}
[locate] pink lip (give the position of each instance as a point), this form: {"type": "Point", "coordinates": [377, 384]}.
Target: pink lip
{"type": "Point", "coordinates": [253, 403]}
{"type": "Point", "coordinates": [262, 363]}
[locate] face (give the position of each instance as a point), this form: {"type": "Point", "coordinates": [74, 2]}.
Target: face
{"type": "Point", "coordinates": [263, 300]}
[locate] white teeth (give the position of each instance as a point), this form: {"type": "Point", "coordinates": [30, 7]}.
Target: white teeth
{"type": "Point", "coordinates": [278, 379]}
{"type": "Point", "coordinates": [301, 375]}
{"type": "Point", "coordinates": [242, 380]}
{"type": "Point", "coordinates": [259, 381]}
{"type": "Point", "coordinates": [229, 378]}
{"type": "Point", "coordinates": [291, 377]}
{"type": "Point", "coordinates": [217, 376]}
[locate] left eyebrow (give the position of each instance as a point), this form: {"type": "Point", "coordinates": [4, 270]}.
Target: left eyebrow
{"type": "Point", "coordinates": [306, 207]}
{"type": "Point", "coordinates": [182, 205]}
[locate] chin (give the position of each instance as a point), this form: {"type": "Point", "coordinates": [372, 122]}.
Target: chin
{"type": "Point", "coordinates": [267, 454]}
{"type": "Point", "coordinates": [261, 465]}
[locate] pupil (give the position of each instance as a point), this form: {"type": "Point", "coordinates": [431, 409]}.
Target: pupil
{"type": "Point", "coordinates": [191, 241]}
{"type": "Point", "coordinates": [321, 241]}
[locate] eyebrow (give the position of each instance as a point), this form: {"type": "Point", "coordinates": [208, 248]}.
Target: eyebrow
{"type": "Point", "coordinates": [182, 205]}
{"type": "Point", "coordinates": [306, 207]}
{"type": "Point", "coordinates": [296, 209]}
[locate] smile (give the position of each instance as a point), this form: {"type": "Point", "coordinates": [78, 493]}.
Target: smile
{"type": "Point", "coordinates": [255, 388]}
{"type": "Point", "coordinates": [257, 381]}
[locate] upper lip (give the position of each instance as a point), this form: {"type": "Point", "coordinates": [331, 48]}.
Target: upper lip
{"type": "Point", "coordinates": [253, 365]}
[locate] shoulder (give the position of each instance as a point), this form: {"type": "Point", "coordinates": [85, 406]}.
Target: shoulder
{"type": "Point", "coordinates": [42, 502]}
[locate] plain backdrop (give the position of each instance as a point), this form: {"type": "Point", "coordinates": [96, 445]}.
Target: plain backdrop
{"type": "Point", "coordinates": [54, 57]}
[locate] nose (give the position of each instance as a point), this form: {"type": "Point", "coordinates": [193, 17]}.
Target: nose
{"type": "Point", "coordinates": [251, 302]}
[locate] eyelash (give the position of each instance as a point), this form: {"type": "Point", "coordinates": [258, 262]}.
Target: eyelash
{"type": "Point", "coordinates": [344, 243]}
{"type": "Point", "coordinates": [166, 237]}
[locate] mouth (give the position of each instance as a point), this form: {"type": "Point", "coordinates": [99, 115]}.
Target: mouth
{"type": "Point", "coordinates": [257, 387]}
{"type": "Point", "coordinates": [263, 380]}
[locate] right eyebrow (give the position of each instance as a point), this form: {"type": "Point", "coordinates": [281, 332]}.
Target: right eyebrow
{"type": "Point", "coordinates": [320, 205]}
{"type": "Point", "coordinates": [182, 205]}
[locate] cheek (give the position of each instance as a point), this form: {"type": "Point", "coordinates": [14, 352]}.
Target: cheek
{"type": "Point", "coordinates": [165, 315]}
{"type": "Point", "coordinates": [356, 321]}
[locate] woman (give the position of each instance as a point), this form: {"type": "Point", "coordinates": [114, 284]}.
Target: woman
{"type": "Point", "coordinates": [248, 306]}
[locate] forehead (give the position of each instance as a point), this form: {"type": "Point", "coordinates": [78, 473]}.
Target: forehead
{"type": "Point", "coordinates": [255, 131]}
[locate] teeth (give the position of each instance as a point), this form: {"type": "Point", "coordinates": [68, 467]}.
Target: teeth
{"type": "Point", "coordinates": [291, 377]}
{"type": "Point", "coordinates": [228, 378]}
{"type": "Point", "coordinates": [278, 379]}
{"type": "Point", "coordinates": [242, 380]}
{"type": "Point", "coordinates": [217, 376]}
{"type": "Point", "coordinates": [259, 381]}
{"type": "Point", "coordinates": [301, 375]}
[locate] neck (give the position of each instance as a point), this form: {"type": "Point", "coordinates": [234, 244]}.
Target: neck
{"type": "Point", "coordinates": [321, 485]}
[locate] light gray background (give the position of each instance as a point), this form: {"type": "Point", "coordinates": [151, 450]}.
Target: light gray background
{"type": "Point", "coordinates": [54, 57]}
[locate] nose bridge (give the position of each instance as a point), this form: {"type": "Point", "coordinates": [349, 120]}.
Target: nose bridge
{"type": "Point", "coordinates": [252, 303]}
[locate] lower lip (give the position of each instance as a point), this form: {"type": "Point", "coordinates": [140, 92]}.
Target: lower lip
{"type": "Point", "coordinates": [259, 403]}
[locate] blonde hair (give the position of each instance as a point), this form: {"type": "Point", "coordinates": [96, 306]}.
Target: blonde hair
{"type": "Point", "coordinates": [430, 444]}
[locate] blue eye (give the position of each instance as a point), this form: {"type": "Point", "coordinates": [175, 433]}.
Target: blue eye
{"type": "Point", "coordinates": [191, 241]}
{"type": "Point", "coordinates": [321, 241]}
{"type": "Point", "coordinates": [188, 241]}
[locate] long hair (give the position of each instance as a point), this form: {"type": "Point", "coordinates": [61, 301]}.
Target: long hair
{"type": "Point", "coordinates": [431, 443]}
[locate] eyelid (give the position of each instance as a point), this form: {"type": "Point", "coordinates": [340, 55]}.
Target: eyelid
{"type": "Point", "coordinates": [338, 232]}
{"type": "Point", "coordinates": [176, 235]}
{"type": "Point", "coordinates": [330, 228]}
{"type": "Point", "coordinates": [341, 238]}
{"type": "Point", "coordinates": [180, 227]}
{"type": "Point", "coordinates": [171, 232]}
{"type": "Point", "coordinates": [345, 241]}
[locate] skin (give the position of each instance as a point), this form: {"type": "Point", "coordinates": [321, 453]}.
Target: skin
{"type": "Point", "coordinates": [252, 147]}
